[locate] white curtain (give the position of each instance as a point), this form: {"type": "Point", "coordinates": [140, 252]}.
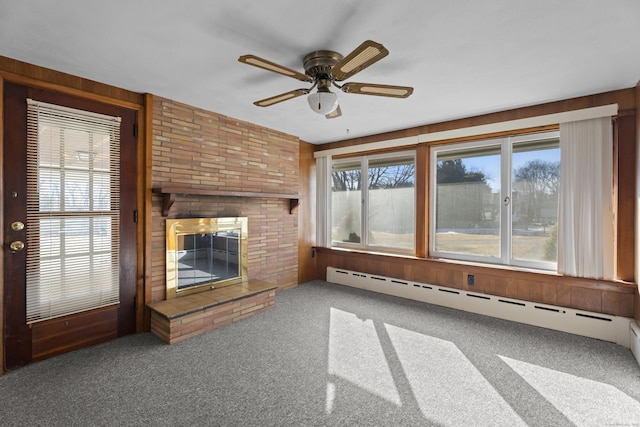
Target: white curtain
{"type": "Point", "coordinates": [322, 195]}
{"type": "Point", "coordinates": [585, 215]}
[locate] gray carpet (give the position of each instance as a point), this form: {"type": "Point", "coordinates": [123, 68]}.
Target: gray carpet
{"type": "Point", "coordinates": [333, 355]}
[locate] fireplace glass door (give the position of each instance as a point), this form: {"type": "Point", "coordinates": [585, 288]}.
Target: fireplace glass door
{"type": "Point", "coordinates": [207, 257]}
{"type": "Point", "coordinates": [203, 253]}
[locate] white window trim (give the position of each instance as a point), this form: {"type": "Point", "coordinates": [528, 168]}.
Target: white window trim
{"type": "Point", "coordinates": [323, 196]}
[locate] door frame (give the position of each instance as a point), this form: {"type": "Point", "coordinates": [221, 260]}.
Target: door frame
{"type": "Point", "coordinates": [13, 71]}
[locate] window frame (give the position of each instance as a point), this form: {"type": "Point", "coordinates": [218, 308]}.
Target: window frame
{"type": "Point", "coordinates": [506, 144]}
{"type": "Point", "coordinates": [364, 243]}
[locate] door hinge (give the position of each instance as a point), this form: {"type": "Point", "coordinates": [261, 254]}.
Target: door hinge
{"type": "Point", "coordinates": [135, 129]}
{"type": "Point", "coordinates": [135, 302]}
{"type": "Point", "coordinates": [135, 216]}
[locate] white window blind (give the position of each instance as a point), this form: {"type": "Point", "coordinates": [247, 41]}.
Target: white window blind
{"type": "Point", "coordinates": [73, 221]}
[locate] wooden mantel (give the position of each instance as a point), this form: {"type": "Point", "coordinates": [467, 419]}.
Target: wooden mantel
{"type": "Point", "coordinates": [169, 192]}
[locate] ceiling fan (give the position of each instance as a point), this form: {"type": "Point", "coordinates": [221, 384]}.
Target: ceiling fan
{"type": "Point", "coordinates": [324, 68]}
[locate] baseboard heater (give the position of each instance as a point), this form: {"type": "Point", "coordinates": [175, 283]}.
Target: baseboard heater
{"type": "Point", "coordinates": [634, 339]}
{"type": "Point", "coordinates": [605, 327]}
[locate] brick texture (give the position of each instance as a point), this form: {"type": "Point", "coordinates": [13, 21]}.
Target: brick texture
{"type": "Point", "coordinates": [180, 328]}
{"type": "Point", "coordinates": [204, 150]}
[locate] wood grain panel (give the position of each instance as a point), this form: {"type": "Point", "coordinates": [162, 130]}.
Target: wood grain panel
{"type": "Point", "coordinates": [146, 214]}
{"type": "Point", "coordinates": [550, 293]}
{"type": "Point", "coordinates": [450, 278]}
{"type": "Point", "coordinates": [68, 333]}
{"type": "Point", "coordinates": [420, 272]}
{"type": "Point", "coordinates": [626, 192]}
{"type": "Point", "coordinates": [322, 262]}
{"type": "Point", "coordinates": [493, 285]}
{"type": "Point", "coordinates": [16, 334]}
{"type": "Point", "coordinates": [615, 301]}
{"type": "Point", "coordinates": [586, 299]}
{"type": "Point", "coordinates": [422, 200]}
{"type": "Point", "coordinates": [526, 291]}
{"type": "Point", "coordinates": [44, 78]}
{"type": "Point", "coordinates": [307, 214]}
{"type": "Point", "coordinates": [143, 199]}
{"type": "Point", "coordinates": [564, 296]}
{"type": "Point", "coordinates": [511, 288]}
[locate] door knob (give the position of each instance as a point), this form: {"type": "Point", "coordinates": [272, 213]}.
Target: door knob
{"type": "Point", "coordinates": [16, 246]}
{"type": "Point", "coordinates": [17, 226]}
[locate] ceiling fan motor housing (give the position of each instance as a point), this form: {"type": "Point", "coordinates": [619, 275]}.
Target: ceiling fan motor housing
{"type": "Point", "coordinates": [318, 64]}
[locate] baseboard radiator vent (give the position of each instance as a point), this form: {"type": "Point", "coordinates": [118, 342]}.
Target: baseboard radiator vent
{"type": "Point", "coordinates": [605, 327]}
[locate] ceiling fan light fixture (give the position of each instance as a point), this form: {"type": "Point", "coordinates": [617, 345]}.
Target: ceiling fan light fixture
{"type": "Point", "coordinates": [323, 102]}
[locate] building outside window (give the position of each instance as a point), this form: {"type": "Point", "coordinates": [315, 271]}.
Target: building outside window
{"type": "Point", "coordinates": [496, 200]}
{"type": "Point", "coordinates": [373, 202]}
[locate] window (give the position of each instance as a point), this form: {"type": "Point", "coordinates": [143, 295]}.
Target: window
{"type": "Point", "coordinates": [373, 202]}
{"type": "Point", "coordinates": [73, 219]}
{"type": "Point", "coordinates": [497, 200]}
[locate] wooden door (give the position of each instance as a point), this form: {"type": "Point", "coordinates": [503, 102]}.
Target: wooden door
{"type": "Point", "coordinates": [23, 342]}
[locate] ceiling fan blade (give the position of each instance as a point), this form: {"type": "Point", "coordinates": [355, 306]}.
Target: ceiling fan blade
{"type": "Point", "coordinates": [364, 55]}
{"type": "Point", "coordinates": [282, 97]}
{"type": "Point", "coordinates": [272, 66]}
{"type": "Point", "coordinates": [378, 90]}
{"type": "Point", "coordinates": [335, 113]}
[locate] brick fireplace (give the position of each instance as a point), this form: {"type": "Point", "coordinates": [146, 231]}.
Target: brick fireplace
{"type": "Point", "coordinates": [206, 151]}
{"type": "Point", "coordinates": [222, 168]}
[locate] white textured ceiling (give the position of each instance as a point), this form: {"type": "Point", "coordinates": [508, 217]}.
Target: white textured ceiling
{"type": "Point", "coordinates": [462, 57]}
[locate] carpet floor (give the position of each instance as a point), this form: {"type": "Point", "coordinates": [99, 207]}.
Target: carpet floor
{"type": "Point", "coordinates": [333, 355]}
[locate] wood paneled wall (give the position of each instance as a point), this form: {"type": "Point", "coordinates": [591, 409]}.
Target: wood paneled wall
{"type": "Point", "coordinates": [307, 214]}
{"type": "Point", "coordinates": [618, 298]}
{"type": "Point", "coordinates": [44, 78]}
{"type": "Point", "coordinates": [626, 171]}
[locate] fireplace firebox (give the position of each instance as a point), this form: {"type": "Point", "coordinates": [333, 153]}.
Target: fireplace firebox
{"type": "Point", "coordinates": [205, 253]}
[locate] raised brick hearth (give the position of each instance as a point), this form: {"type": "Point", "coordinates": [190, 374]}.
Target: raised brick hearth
{"type": "Point", "coordinates": [177, 319]}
